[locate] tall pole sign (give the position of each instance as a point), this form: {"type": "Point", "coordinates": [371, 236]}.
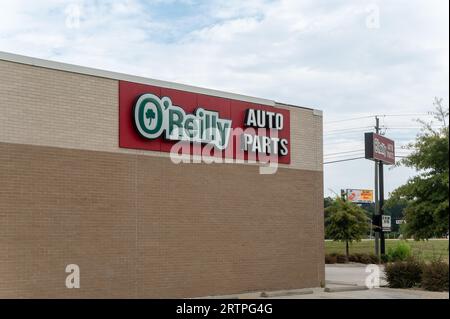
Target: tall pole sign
{"type": "Point", "coordinates": [381, 150]}
{"type": "Point", "coordinates": [377, 204]}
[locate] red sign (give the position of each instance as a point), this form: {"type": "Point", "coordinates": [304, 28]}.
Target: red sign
{"type": "Point", "coordinates": [156, 118]}
{"type": "Point", "coordinates": [379, 148]}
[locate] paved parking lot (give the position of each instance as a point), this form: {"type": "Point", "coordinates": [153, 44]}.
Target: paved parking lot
{"type": "Point", "coordinates": [355, 274]}
{"type": "Point", "coordinates": [349, 277]}
{"type": "Point", "coordinates": [376, 293]}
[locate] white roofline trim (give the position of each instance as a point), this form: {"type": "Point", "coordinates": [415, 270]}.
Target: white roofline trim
{"type": "Point", "coordinates": [318, 112]}
{"type": "Point", "coordinates": [126, 77]}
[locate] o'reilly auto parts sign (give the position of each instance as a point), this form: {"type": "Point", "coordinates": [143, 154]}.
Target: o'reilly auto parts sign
{"type": "Point", "coordinates": [155, 118]}
{"type": "Point", "coordinates": [379, 148]}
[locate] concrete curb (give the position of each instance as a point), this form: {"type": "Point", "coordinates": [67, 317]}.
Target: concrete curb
{"type": "Point", "coordinates": [281, 293]}
{"type": "Point", "coordinates": [350, 264]}
{"type": "Point", "coordinates": [347, 288]}
{"type": "Point", "coordinates": [340, 283]}
{"type": "Point", "coordinates": [219, 297]}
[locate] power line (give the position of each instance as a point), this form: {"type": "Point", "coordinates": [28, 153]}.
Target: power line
{"type": "Point", "coordinates": [339, 157]}
{"type": "Point", "coordinates": [356, 158]}
{"type": "Point", "coordinates": [405, 115]}
{"type": "Point", "coordinates": [344, 155]}
{"type": "Point", "coordinates": [329, 136]}
{"type": "Point", "coordinates": [348, 129]}
{"type": "Point", "coordinates": [406, 127]}
{"type": "Point", "coordinates": [337, 154]}
{"type": "Point", "coordinates": [345, 132]}
{"type": "Point", "coordinates": [379, 115]}
{"type": "Point", "coordinates": [350, 119]}
{"type": "Point", "coordinates": [345, 152]}
{"type": "Point", "coordinates": [344, 160]}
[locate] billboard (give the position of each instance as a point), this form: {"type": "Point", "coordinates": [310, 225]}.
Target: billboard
{"type": "Point", "coordinates": [379, 148]}
{"type": "Point", "coordinates": [360, 195]}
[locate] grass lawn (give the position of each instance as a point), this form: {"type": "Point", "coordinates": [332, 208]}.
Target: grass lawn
{"type": "Point", "coordinates": [425, 250]}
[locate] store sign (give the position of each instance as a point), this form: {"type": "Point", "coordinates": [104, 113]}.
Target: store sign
{"type": "Point", "coordinates": [264, 144]}
{"type": "Point", "coordinates": [155, 118]}
{"type": "Point", "coordinates": [360, 195]}
{"type": "Point", "coordinates": [379, 148]}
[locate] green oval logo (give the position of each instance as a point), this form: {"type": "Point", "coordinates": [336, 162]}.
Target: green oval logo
{"type": "Point", "coordinates": [148, 116]}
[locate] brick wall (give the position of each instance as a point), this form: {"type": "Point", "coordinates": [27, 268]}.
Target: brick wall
{"type": "Point", "coordinates": [138, 225]}
{"type": "Point", "coordinates": [41, 106]}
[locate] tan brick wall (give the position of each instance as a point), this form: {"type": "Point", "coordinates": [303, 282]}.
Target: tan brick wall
{"type": "Point", "coordinates": [140, 226]}
{"type": "Point", "coordinates": [137, 224]}
{"type": "Point", "coordinates": [41, 106]}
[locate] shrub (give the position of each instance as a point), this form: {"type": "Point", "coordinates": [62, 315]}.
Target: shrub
{"type": "Point", "coordinates": [362, 258]}
{"type": "Point", "coordinates": [384, 259]}
{"type": "Point", "coordinates": [400, 252]}
{"type": "Point", "coordinates": [365, 259]}
{"type": "Point", "coordinates": [435, 276]}
{"type": "Point", "coordinates": [354, 258]}
{"type": "Point", "coordinates": [373, 259]}
{"type": "Point", "coordinates": [330, 259]}
{"type": "Point", "coordinates": [341, 259]}
{"type": "Point", "coordinates": [403, 274]}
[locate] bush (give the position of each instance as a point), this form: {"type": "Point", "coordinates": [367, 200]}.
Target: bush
{"type": "Point", "coordinates": [341, 259]}
{"type": "Point", "coordinates": [435, 276]}
{"type": "Point", "coordinates": [403, 274]}
{"type": "Point", "coordinates": [334, 258]}
{"type": "Point", "coordinates": [365, 259]}
{"type": "Point", "coordinates": [374, 259]}
{"type": "Point", "coordinates": [400, 252]}
{"type": "Point", "coordinates": [330, 259]}
{"type": "Point", "coordinates": [362, 258]}
{"type": "Point", "coordinates": [384, 259]}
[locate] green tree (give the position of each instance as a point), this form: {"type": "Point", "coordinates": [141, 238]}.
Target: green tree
{"type": "Point", "coordinates": [427, 210]}
{"type": "Point", "coordinates": [346, 222]}
{"type": "Point", "coordinates": [327, 201]}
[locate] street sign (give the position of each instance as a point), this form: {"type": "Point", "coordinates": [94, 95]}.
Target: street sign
{"type": "Point", "coordinates": [386, 223]}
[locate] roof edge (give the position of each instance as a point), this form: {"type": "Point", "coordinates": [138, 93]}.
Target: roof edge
{"type": "Point", "coordinates": [61, 66]}
{"type": "Point", "coordinates": [316, 112]}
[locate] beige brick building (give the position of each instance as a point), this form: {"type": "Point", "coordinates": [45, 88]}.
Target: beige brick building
{"type": "Point", "coordinates": [136, 224]}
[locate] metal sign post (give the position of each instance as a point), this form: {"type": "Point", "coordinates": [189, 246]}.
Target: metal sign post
{"type": "Point", "coordinates": [377, 233]}
{"type": "Point", "coordinates": [381, 150]}
{"type": "Point", "coordinates": [380, 207]}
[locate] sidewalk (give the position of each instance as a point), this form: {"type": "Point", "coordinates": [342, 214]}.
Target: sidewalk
{"type": "Point", "coordinates": [346, 281]}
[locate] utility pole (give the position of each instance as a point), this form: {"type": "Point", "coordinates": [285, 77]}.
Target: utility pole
{"type": "Point", "coordinates": [381, 204]}
{"type": "Point", "coordinates": [379, 201]}
{"type": "Point", "coordinates": [376, 211]}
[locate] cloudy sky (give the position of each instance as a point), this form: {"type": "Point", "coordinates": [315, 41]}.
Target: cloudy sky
{"type": "Point", "coordinates": [351, 59]}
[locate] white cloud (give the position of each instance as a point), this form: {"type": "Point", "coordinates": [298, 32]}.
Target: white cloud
{"type": "Point", "coordinates": [310, 53]}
